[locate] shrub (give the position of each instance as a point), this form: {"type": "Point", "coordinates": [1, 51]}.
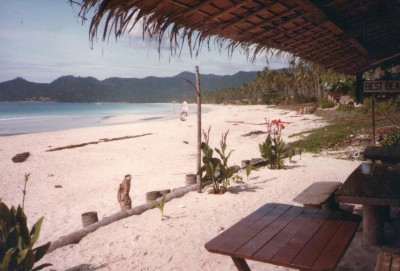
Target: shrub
{"type": "Point", "coordinates": [326, 104]}
{"type": "Point", "coordinates": [388, 105]}
{"type": "Point", "coordinates": [391, 139]}
{"type": "Point", "coordinates": [16, 241]}
{"type": "Point", "coordinates": [345, 108]}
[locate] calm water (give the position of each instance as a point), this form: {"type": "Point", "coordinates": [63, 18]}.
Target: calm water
{"type": "Point", "coordinates": [31, 117]}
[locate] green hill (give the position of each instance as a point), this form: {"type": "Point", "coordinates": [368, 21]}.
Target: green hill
{"type": "Point", "coordinates": [137, 90]}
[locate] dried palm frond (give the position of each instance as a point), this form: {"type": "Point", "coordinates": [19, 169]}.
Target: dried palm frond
{"type": "Point", "coordinates": [161, 22]}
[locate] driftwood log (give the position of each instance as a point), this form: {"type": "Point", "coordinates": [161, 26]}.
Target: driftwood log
{"type": "Point", "coordinates": [20, 157]}
{"type": "Point", "coordinates": [123, 193]}
{"type": "Point", "coordinates": [75, 237]}
{"type": "Point", "coordinates": [96, 142]}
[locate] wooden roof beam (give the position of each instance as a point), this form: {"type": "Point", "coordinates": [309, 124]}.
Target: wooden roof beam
{"type": "Point", "coordinates": [249, 15]}
{"type": "Point", "coordinates": [357, 61]}
{"type": "Point", "coordinates": [230, 9]}
{"type": "Point", "coordinates": [331, 25]}
{"type": "Point", "coordinates": [245, 33]}
{"type": "Point", "coordinates": [269, 23]}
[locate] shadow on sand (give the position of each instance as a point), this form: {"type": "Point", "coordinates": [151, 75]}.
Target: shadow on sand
{"type": "Point", "coordinates": [85, 267]}
{"type": "Point", "coordinates": [247, 187]}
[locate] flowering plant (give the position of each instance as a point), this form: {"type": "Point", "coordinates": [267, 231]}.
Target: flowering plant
{"type": "Point", "coordinates": [275, 127]}
{"type": "Point", "coordinates": [272, 149]}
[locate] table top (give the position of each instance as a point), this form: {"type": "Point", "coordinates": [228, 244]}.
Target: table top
{"type": "Point", "coordinates": [372, 184]}
{"type": "Point", "coordinates": [290, 236]}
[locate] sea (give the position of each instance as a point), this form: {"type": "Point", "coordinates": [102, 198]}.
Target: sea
{"type": "Point", "coordinates": [33, 117]}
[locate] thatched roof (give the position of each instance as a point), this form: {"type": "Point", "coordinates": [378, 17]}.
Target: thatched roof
{"type": "Point", "coordinates": [346, 36]}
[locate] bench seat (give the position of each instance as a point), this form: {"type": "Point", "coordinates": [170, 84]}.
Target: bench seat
{"type": "Point", "coordinates": [388, 261]}
{"type": "Point", "coordinates": [319, 195]}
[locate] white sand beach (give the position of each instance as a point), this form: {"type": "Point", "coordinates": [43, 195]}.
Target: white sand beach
{"type": "Point", "coordinates": [89, 177]}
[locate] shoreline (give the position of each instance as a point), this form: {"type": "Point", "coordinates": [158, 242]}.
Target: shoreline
{"type": "Point", "coordinates": [63, 116]}
{"type": "Point", "coordinates": [88, 180]}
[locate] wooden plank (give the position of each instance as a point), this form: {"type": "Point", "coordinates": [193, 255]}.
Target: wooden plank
{"type": "Point", "coordinates": [395, 261]}
{"type": "Point", "coordinates": [317, 193]}
{"type": "Point", "coordinates": [338, 245]}
{"type": "Point", "coordinates": [286, 254]}
{"type": "Point", "coordinates": [237, 235]}
{"type": "Point", "coordinates": [311, 251]}
{"type": "Point", "coordinates": [387, 261]}
{"type": "Point", "coordinates": [280, 240]}
{"type": "Point", "coordinates": [264, 236]}
{"type": "Point", "coordinates": [379, 261]}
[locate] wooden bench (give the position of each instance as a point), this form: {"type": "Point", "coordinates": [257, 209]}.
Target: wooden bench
{"type": "Point", "coordinates": [388, 261]}
{"type": "Point", "coordinates": [319, 195]}
{"type": "Point", "coordinates": [384, 154]}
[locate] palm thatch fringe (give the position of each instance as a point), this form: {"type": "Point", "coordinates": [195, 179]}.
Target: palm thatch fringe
{"type": "Point", "coordinates": [159, 23]}
{"type": "Point", "coordinates": [76, 236]}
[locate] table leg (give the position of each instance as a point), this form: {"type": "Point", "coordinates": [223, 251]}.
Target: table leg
{"type": "Point", "coordinates": [373, 225]}
{"type": "Point", "coordinates": [241, 264]}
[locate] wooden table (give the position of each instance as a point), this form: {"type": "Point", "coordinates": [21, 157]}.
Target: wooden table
{"type": "Point", "coordinates": [290, 236]}
{"type": "Point", "coordinates": [377, 187]}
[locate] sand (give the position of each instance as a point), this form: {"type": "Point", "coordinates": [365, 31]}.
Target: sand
{"type": "Point", "coordinates": [66, 183]}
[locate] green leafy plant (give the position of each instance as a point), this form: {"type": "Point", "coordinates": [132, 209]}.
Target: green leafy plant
{"type": "Point", "coordinates": [391, 139]}
{"type": "Point", "coordinates": [236, 178]}
{"type": "Point", "coordinates": [16, 241]}
{"type": "Point", "coordinates": [249, 170]}
{"type": "Point", "coordinates": [160, 205]}
{"type": "Point", "coordinates": [273, 148]}
{"type": "Point", "coordinates": [24, 189]}
{"type": "Point", "coordinates": [326, 104]}
{"type": "Point", "coordinates": [216, 169]}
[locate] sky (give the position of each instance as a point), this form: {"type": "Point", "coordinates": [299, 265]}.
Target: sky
{"type": "Point", "coordinates": [41, 40]}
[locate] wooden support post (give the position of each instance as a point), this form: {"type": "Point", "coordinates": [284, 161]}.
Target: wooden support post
{"type": "Point", "coordinates": [123, 193]}
{"type": "Point", "coordinates": [359, 88]}
{"type": "Point", "coordinates": [241, 264]}
{"type": "Point", "coordinates": [198, 95]}
{"type": "Point", "coordinates": [373, 120]}
{"type": "Point", "coordinates": [372, 225]}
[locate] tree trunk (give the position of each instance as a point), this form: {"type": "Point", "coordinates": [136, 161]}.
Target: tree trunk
{"type": "Point", "coordinates": [123, 193]}
{"type": "Point", "coordinates": [198, 95]}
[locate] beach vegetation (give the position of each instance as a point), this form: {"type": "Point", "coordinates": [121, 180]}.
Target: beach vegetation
{"type": "Point", "coordinates": [273, 148]}
{"type": "Point", "coordinates": [391, 139]}
{"type": "Point", "coordinates": [217, 169]}
{"type": "Point", "coordinates": [16, 241]}
{"type": "Point", "coordinates": [160, 205]}
{"type": "Point", "coordinates": [249, 170]}
{"type": "Point", "coordinates": [326, 104]}
{"type": "Point", "coordinates": [237, 178]}
{"type": "Point", "coordinates": [302, 82]}
{"type": "Point", "coordinates": [347, 125]}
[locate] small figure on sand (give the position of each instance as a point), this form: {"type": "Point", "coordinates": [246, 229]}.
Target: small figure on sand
{"type": "Point", "coordinates": [184, 112]}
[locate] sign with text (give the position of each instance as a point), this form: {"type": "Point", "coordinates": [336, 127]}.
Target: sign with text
{"type": "Point", "coordinates": [382, 86]}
